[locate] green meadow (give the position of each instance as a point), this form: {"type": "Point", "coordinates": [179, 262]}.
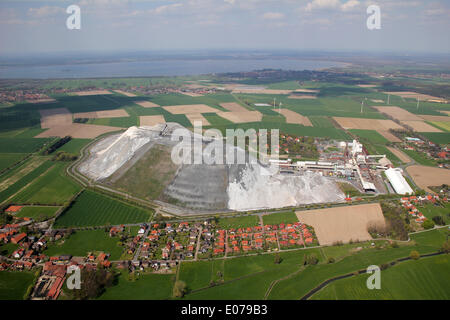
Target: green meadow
{"type": "Point", "coordinates": [81, 242]}
{"type": "Point", "coordinates": [14, 284]}
{"type": "Point", "coordinates": [54, 187]}
{"type": "Point", "coordinates": [424, 279]}
{"type": "Point", "coordinates": [94, 209]}
{"type": "Point", "coordinates": [238, 222]}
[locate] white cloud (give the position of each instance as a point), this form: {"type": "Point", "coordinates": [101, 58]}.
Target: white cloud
{"type": "Point", "coordinates": [272, 15]}
{"type": "Point", "coordinates": [349, 5]}
{"type": "Point", "coordinates": [166, 8]}
{"type": "Point", "coordinates": [331, 5]}
{"type": "Point", "coordinates": [322, 4]}
{"type": "Point", "coordinates": [45, 11]}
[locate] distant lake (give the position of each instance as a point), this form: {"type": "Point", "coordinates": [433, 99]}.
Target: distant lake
{"type": "Point", "coordinates": [169, 67]}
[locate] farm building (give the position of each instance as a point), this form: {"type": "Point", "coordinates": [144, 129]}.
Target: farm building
{"type": "Point", "coordinates": [398, 182]}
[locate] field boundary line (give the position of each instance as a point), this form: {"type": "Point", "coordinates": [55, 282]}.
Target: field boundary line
{"type": "Point", "coordinates": [392, 263]}
{"type": "Point", "coordinates": [273, 283]}
{"type": "Point", "coordinates": [27, 185]}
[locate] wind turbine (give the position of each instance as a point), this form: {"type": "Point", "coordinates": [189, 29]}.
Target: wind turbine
{"type": "Point", "coordinates": [389, 96]}
{"type": "Point", "coordinates": [418, 103]}
{"type": "Point", "coordinates": [362, 105]}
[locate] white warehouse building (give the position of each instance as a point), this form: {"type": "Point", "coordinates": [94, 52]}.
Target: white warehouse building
{"type": "Point", "coordinates": [398, 182]}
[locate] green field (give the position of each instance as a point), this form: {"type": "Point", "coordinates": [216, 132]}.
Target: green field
{"type": "Point", "coordinates": [14, 285]}
{"type": "Point", "coordinates": [251, 277]}
{"type": "Point", "coordinates": [437, 137]}
{"type": "Point", "coordinates": [430, 211]}
{"type": "Point", "coordinates": [146, 287]}
{"type": "Point", "coordinates": [54, 187]}
{"type": "Point", "coordinates": [74, 145]}
{"type": "Point", "coordinates": [8, 159]}
{"type": "Point", "coordinates": [424, 279]}
{"type": "Point", "coordinates": [37, 213]}
{"type": "Point", "coordinates": [370, 135]}
{"type": "Point", "coordinates": [442, 125]}
{"type": "Point", "coordinates": [420, 158]}
{"type": "Point", "coordinates": [7, 249]}
{"type": "Point", "coordinates": [280, 217]}
{"type": "Point", "coordinates": [25, 180]}
{"type": "Point", "coordinates": [21, 145]}
{"type": "Point", "coordinates": [81, 242]}
{"type": "Point", "coordinates": [93, 209]}
{"type": "Point", "coordinates": [238, 222]}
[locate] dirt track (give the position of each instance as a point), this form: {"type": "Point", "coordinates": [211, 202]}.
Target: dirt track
{"type": "Point", "coordinates": [342, 223]}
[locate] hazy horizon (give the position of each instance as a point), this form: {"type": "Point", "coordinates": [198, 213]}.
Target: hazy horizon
{"type": "Point", "coordinates": [39, 27]}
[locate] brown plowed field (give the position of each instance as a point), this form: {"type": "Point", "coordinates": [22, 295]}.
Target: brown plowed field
{"type": "Point", "coordinates": [147, 104]}
{"type": "Point", "coordinates": [77, 130]}
{"type": "Point", "coordinates": [241, 117]}
{"type": "Point", "coordinates": [151, 120]}
{"type": "Point", "coordinates": [190, 108]}
{"type": "Point", "coordinates": [426, 177]}
{"type": "Point", "coordinates": [117, 113]}
{"type": "Point", "coordinates": [294, 117]}
{"type": "Point", "coordinates": [233, 106]}
{"type": "Point", "coordinates": [343, 223]}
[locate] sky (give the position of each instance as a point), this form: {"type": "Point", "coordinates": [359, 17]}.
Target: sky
{"type": "Point", "coordinates": [28, 27]}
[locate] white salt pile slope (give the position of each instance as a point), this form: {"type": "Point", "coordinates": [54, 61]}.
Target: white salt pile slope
{"type": "Point", "coordinates": [254, 190]}
{"type": "Point", "coordinates": [113, 152]}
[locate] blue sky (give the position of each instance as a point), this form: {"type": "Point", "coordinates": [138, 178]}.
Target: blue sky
{"type": "Point", "coordinates": [135, 25]}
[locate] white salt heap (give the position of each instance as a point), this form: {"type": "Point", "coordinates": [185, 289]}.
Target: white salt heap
{"type": "Point", "coordinates": [113, 152]}
{"type": "Point", "coordinates": [255, 190]}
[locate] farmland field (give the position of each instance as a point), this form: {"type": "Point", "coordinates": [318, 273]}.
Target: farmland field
{"type": "Point", "coordinates": [370, 135]}
{"type": "Point", "coordinates": [21, 145]}
{"type": "Point", "coordinates": [437, 137]}
{"type": "Point", "coordinates": [146, 287]}
{"type": "Point", "coordinates": [93, 209]}
{"type": "Point", "coordinates": [280, 217]}
{"type": "Point", "coordinates": [13, 285]}
{"type": "Point", "coordinates": [238, 222]}
{"type": "Point", "coordinates": [74, 145]}
{"type": "Point", "coordinates": [427, 278]}
{"type": "Point", "coordinates": [37, 213]}
{"type": "Point", "coordinates": [8, 159]}
{"type": "Point", "coordinates": [430, 211]}
{"type": "Point", "coordinates": [420, 158]}
{"type": "Point", "coordinates": [81, 242]}
{"type": "Point", "coordinates": [300, 284]}
{"type": "Point", "coordinates": [22, 182]}
{"type": "Point", "coordinates": [51, 188]}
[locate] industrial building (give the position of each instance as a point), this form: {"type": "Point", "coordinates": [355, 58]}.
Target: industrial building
{"type": "Point", "coordinates": [398, 182]}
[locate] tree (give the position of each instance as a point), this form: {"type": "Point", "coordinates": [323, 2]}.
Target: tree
{"type": "Point", "coordinates": [179, 289]}
{"type": "Point", "coordinates": [446, 247]}
{"type": "Point", "coordinates": [439, 220]}
{"type": "Point", "coordinates": [415, 255]}
{"type": "Point", "coordinates": [277, 259]}
{"type": "Point", "coordinates": [428, 224]}
{"type": "Point", "coordinates": [311, 259]}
